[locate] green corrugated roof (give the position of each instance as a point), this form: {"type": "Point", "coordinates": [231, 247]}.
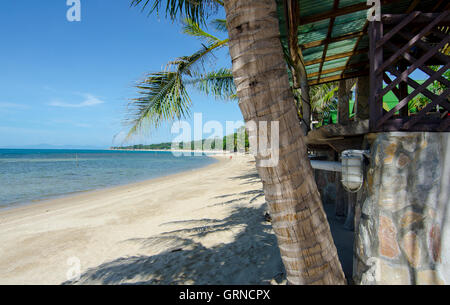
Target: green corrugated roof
{"type": "Point", "coordinates": [354, 22]}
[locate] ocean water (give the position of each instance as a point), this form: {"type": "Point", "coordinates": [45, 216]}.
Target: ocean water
{"type": "Point", "coordinates": [31, 175]}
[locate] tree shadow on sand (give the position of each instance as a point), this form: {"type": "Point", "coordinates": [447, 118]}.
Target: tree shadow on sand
{"type": "Point", "coordinates": [252, 257]}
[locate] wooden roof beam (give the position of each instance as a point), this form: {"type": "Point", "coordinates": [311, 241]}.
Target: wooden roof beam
{"type": "Point", "coordinates": [330, 31]}
{"type": "Point", "coordinates": [422, 18]}
{"type": "Point", "coordinates": [340, 12]}
{"type": "Point", "coordinates": [412, 6]}
{"type": "Point", "coordinates": [365, 28]}
{"type": "Point", "coordinates": [337, 56]}
{"type": "Point", "coordinates": [342, 68]}
{"type": "Point", "coordinates": [437, 5]}
{"type": "Point", "coordinates": [338, 77]}
{"type": "Point", "coordinates": [322, 42]}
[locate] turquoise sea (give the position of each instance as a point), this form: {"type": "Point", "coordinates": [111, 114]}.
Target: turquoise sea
{"type": "Point", "coordinates": [30, 175]}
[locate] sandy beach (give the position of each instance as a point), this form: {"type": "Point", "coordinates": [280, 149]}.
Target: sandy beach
{"type": "Point", "coordinates": [201, 227]}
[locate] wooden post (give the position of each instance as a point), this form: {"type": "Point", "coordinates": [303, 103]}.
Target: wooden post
{"type": "Point", "coordinates": [299, 74]}
{"type": "Point", "coordinates": [403, 88]}
{"type": "Point", "coordinates": [343, 103]}
{"type": "Point", "coordinates": [376, 80]}
{"type": "Point", "coordinates": [344, 96]}
{"type": "Point", "coordinates": [362, 98]}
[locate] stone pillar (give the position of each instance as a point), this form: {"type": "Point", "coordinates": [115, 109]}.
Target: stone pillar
{"type": "Point", "coordinates": [403, 233]}
{"type": "Point", "coordinates": [362, 98]}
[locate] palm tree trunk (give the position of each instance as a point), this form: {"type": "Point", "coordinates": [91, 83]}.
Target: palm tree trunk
{"type": "Point", "coordinates": [260, 73]}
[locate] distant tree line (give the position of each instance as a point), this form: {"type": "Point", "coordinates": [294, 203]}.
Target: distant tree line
{"type": "Point", "coordinates": [191, 145]}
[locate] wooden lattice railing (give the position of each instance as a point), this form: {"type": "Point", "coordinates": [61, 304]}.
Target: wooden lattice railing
{"type": "Point", "coordinates": [399, 45]}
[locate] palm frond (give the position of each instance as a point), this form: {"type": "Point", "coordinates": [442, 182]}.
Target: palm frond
{"type": "Point", "coordinates": [192, 28]}
{"type": "Point", "coordinates": [163, 95]}
{"type": "Point", "coordinates": [163, 98]}
{"type": "Point", "coordinates": [193, 65]}
{"type": "Point", "coordinates": [220, 25]}
{"type": "Point", "coordinates": [323, 96]}
{"type": "Point", "coordinates": [197, 10]}
{"type": "Point", "coordinates": [218, 83]}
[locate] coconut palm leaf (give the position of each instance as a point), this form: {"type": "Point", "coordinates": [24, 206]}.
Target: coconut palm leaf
{"type": "Point", "coordinates": [218, 83]}
{"type": "Point", "coordinates": [163, 95]}
{"type": "Point", "coordinates": [220, 25]}
{"type": "Point", "coordinates": [323, 96]}
{"type": "Point", "coordinates": [197, 10]}
{"type": "Point", "coordinates": [192, 28]}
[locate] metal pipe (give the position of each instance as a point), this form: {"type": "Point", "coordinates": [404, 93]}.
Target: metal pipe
{"type": "Point", "coordinates": [331, 166]}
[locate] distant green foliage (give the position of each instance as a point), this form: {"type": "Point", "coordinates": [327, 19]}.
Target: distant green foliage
{"type": "Point", "coordinates": [162, 146]}
{"type": "Point", "coordinates": [324, 100]}
{"type": "Point", "coordinates": [190, 145]}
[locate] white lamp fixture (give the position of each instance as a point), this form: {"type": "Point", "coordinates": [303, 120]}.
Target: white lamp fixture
{"type": "Point", "coordinates": [352, 169]}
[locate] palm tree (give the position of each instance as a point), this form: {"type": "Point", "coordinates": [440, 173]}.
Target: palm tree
{"type": "Point", "coordinates": [164, 95]}
{"type": "Point", "coordinates": [262, 83]}
{"type": "Point", "coordinates": [260, 75]}
{"type": "Point", "coordinates": [324, 99]}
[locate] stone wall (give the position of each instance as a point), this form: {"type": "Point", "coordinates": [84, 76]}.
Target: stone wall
{"type": "Point", "coordinates": [403, 216]}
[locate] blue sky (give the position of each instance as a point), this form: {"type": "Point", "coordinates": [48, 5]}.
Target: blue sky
{"type": "Point", "coordinates": [68, 83]}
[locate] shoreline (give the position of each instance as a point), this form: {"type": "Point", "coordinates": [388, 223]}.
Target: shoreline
{"type": "Point", "coordinates": [68, 196]}
{"type": "Point", "coordinates": [16, 205]}
{"type": "Point", "coordinates": [184, 228]}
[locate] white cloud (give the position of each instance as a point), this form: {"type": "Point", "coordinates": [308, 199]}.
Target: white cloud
{"type": "Point", "coordinates": [90, 100]}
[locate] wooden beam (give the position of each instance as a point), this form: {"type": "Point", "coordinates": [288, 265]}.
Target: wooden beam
{"type": "Point", "coordinates": [413, 84]}
{"type": "Point", "coordinates": [442, 57]}
{"type": "Point", "coordinates": [376, 80]}
{"type": "Point", "coordinates": [397, 28]}
{"type": "Point", "coordinates": [412, 60]}
{"type": "Point", "coordinates": [300, 76]}
{"type": "Point", "coordinates": [444, 125]}
{"type": "Point", "coordinates": [427, 108]}
{"type": "Point", "coordinates": [398, 124]}
{"type": "Point", "coordinates": [412, 6]}
{"type": "Point", "coordinates": [340, 12]}
{"type": "Point", "coordinates": [330, 31]}
{"type": "Point", "coordinates": [403, 89]}
{"type": "Point", "coordinates": [322, 42]}
{"type": "Point", "coordinates": [358, 41]}
{"type": "Point", "coordinates": [437, 5]}
{"type": "Point", "coordinates": [412, 42]}
{"type": "Point", "coordinates": [342, 68]}
{"type": "Point", "coordinates": [404, 102]}
{"type": "Point", "coordinates": [395, 90]}
{"type": "Point", "coordinates": [334, 13]}
{"type": "Point", "coordinates": [337, 56]}
{"type": "Point", "coordinates": [338, 77]}
{"type": "Point", "coordinates": [354, 128]}
{"type": "Point", "coordinates": [413, 67]}
{"type": "Point", "coordinates": [423, 18]}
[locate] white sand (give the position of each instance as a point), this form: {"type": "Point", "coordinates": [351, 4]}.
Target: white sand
{"type": "Point", "coordinates": [201, 227]}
